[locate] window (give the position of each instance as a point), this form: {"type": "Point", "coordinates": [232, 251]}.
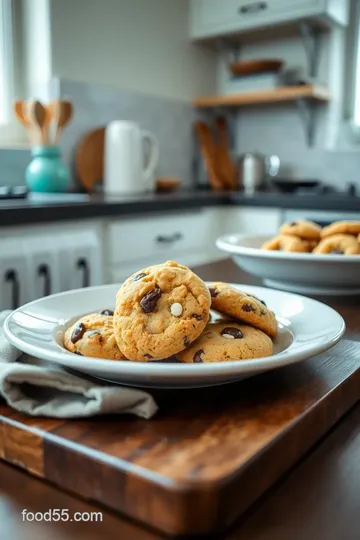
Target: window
{"type": "Point", "coordinates": [6, 62]}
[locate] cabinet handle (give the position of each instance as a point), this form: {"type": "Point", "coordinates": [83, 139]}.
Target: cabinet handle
{"type": "Point", "coordinates": [170, 239]}
{"type": "Point", "coordinates": [83, 265]}
{"type": "Point", "coordinates": [11, 276]}
{"type": "Point", "coordinates": [249, 9]}
{"type": "Point", "coordinates": [44, 271]}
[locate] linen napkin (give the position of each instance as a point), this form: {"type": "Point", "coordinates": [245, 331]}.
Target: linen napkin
{"type": "Point", "coordinates": [40, 388]}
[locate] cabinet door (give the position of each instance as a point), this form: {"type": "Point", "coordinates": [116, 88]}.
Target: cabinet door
{"type": "Point", "coordinates": [215, 17]}
{"type": "Point", "coordinates": [14, 290]}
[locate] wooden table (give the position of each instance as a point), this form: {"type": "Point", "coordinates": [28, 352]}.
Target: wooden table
{"type": "Point", "coordinates": [319, 498]}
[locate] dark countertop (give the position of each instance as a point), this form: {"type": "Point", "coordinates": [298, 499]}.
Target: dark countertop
{"type": "Point", "coordinates": [40, 209]}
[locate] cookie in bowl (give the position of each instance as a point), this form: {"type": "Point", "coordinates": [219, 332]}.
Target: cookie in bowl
{"type": "Point", "coordinates": [159, 311]}
{"type": "Point", "coordinates": [226, 342]}
{"type": "Point", "coordinates": [307, 230]}
{"type": "Point", "coordinates": [338, 244]}
{"type": "Point", "coordinates": [341, 227]}
{"type": "Point", "coordinates": [243, 307]}
{"type": "Point", "coordinates": [93, 335]}
{"type": "Point", "coordinates": [284, 242]}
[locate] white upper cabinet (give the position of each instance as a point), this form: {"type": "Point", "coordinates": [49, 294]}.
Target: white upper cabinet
{"type": "Point", "coordinates": [211, 18]}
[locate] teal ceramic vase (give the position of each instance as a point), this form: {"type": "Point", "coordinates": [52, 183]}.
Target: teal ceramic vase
{"type": "Point", "coordinates": [46, 173]}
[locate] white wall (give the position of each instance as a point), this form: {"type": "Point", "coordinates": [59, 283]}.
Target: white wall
{"type": "Point", "coordinates": [140, 45]}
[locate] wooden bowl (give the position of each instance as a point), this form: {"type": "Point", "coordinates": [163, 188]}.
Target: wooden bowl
{"type": "Point", "coordinates": [250, 67]}
{"type": "Point", "coordinates": [167, 184]}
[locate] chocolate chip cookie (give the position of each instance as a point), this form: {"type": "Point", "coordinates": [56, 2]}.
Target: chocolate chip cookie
{"type": "Point", "coordinates": [341, 227]}
{"type": "Point", "coordinates": [159, 311]}
{"type": "Point", "coordinates": [285, 242]}
{"type": "Point", "coordinates": [338, 244]}
{"type": "Point", "coordinates": [93, 335]}
{"type": "Point", "coordinates": [307, 230]}
{"type": "Point", "coordinates": [243, 307]}
{"type": "Point", "coordinates": [226, 342]}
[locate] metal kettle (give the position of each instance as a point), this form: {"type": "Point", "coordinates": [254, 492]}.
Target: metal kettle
{"type": "Point", "coordinates": [254, 169]}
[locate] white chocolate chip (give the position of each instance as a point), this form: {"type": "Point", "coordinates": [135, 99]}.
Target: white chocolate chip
{"type": "Point", "coordinates": [228, 336]}
{"type": "Point", "coordinates": [176, 309]}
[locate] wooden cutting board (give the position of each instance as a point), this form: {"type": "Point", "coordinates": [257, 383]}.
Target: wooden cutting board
{"type": "Point", "coordinates": [207, 455]}
{"type": "Point", "coordinates": [89, 158]}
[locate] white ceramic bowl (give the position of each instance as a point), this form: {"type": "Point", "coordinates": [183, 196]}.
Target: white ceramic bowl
{"type": "Point", "coordinates": [306, 328]}
{"type": "Point", "coordinates": [305, 273]}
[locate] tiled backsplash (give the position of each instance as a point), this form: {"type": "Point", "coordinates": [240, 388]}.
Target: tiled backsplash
{"type": "Point", "coordinates": [170, 120]}
{"type": "Point", "coordinates": [12, 166]}
{"type": "Point", "coordinates": [278, 130]}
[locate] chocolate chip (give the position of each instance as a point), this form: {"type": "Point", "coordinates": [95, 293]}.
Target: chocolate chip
{"type": "Point", "coordinates": [197, 317]}
{"type": "Point", "coordinates": [232, 331]}
{"type": "Point", "coordinates": [247, 308]}
{"type": "Point", "coordinates": [78, 353]}
{"type": "Point", "coordinates": [197, 356]}
{"type": "Point", "coordinates": [262, 313]}
{"type": "Point", "coordinates": [78, 332]}
{"type": "Point", "coordinates": [337, 252]}
{"type": "Point", "coordinates": [149, 301]}
{"type": "Point", "coordinates": [186, 341]}
{"type": "Point", "coordinates": [213, 292]}
{"type": "Point", "coordinates": [139, 276]}
{"type": "Point", "coordinates": [292, 224]}
{"type": "Point", "coordinates": [93, 333]}
{"type": "Point", "coordinates": [148, 356]}
{"type": "Point", "coordinates": [107, 312]}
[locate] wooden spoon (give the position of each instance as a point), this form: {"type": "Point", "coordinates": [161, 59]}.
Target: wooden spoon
{"type": "Point", "coordinates": [61, 112]}
{"type": "Point", "coordinates": [20, 113]}
{"type": "Point", "coordinates": [37, 117]}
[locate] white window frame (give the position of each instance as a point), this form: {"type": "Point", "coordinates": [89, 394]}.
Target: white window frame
{"type": "Point", "coordinates": [355, 116]}
{"type": "Point", "coordinates": [10, 130]}
{"type": "Point", "coordinates": [6, 61]}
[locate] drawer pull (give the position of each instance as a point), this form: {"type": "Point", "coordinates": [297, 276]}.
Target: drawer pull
{"type": "Point", "coordinates": [170, 239]}
{"type": "Point", "coordinates": [44, 271]}
{"type": "Point", "coordinates": [250, 9]}
{"type": "Point", "coordinates": [12, 277]}
{"type": "Point", "coordinates": [82, 264]}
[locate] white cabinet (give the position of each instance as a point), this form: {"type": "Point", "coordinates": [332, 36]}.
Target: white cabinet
{"type": "Point", "coordinates": [134, 243]}
{"type": "Point", "coordinates": [252, 220]}
{"type": "Point", "coordinates": [45, 259]}
{"type": "Point", "coordinates": [210, 18]}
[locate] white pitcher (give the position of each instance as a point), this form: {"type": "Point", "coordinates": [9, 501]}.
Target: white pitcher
{"type": "Point", "coordinates": [125, 170]}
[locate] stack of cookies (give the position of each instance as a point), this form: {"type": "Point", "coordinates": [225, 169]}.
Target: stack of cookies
{"type": "Point", "coordinates": [339, 238]}
{"type": "Point", "coordinates": [164, 312]}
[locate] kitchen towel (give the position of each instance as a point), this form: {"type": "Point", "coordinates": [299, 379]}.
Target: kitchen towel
{"type": "Point", "coordinates": [40, 388]}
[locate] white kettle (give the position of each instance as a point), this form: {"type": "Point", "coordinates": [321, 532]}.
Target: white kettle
{"type": "Point", "coordinates": [125, 170]}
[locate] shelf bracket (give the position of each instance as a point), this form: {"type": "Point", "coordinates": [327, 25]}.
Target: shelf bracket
{"type": "Point", "coordinates": [307, 111]}
{"type": "Point", "coordinates": [311, 41]}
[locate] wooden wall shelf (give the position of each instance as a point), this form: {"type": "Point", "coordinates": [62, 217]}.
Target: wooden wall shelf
{"type": "Point", "coordinates": [278, 95]}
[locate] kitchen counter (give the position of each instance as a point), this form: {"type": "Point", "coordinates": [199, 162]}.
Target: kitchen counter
{"type": "Point", "coordinates": [46, 208]}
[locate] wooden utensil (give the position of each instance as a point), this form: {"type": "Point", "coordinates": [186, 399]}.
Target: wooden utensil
{"type": "Point", "coordinates": [225, 164]}
{"type": "Point", "coordinates": [208, 150]}
{"type": "Point", "coordinates": [37, 116]}
{"type": "Point", "coordinates": [251, 67]}
{"type": "Point", "coordinates": [208, 455]}
{"type": "Point", "coordinates": [89, 158]}
{"type": "Point", "coordinates": [20, 113]}
{"type": "Point", "coordinates": [61, 113]}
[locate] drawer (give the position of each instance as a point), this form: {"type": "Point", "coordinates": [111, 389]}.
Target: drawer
{"type": "Point", "coordinates": [117, 273]}
{"type": "Point", "coordinates": [156, 237]}
{"type": "Point", "coordinates": [214, 17]}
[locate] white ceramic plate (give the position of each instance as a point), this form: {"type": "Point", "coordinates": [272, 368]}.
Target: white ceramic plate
{"type": "Point", "coordinates": [305, 273]}
{"type": "Point", "coordinates": [307, 327]}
